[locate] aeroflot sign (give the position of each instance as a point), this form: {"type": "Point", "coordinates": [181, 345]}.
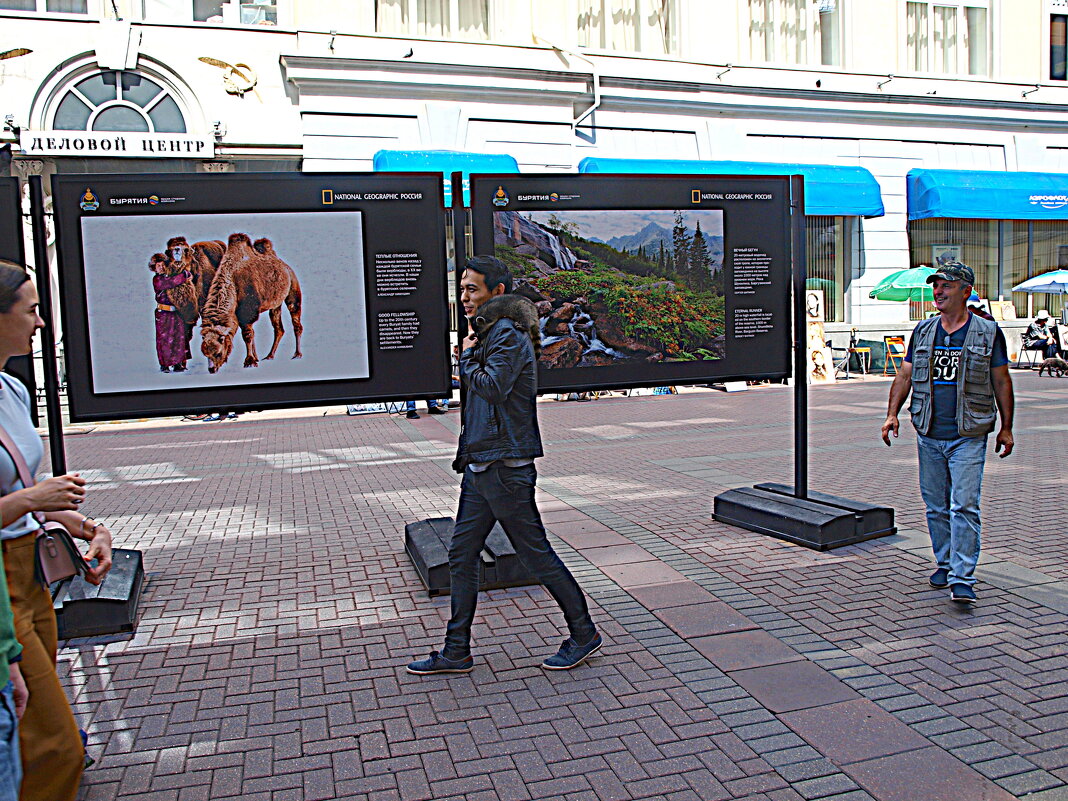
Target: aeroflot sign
{"type": "Point", "coordinates": [1049, 201]}
{"type": "Point", "coordinates": [115, 144]}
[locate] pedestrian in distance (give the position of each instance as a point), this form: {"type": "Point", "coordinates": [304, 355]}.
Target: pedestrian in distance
{"type": "Point", "coordinates": [432, 407]}
{"type": "Point", "coordinates": [957, 370]}
{"type": "Point", "coordinates": [499, 441]}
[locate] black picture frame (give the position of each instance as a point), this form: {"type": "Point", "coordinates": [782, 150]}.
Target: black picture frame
{"type": "Point", "coordinates": [104, 223]}
{"type": "Point", "coordinates": [756, 218]}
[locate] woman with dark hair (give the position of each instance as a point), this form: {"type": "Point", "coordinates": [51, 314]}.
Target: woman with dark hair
{"type": "Point", "coordinates": [51, 748]}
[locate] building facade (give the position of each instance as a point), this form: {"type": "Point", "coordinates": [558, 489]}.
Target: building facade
{"type": "Point", "coordinates": [890, 86]}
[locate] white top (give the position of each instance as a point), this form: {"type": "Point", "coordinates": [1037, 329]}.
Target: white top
{"type": "Point", "coordinates": [16, 420]}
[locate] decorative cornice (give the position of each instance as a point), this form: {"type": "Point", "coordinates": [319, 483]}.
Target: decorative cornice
{"type": "Point", "coordinates": [395, 79]}
{"type": "Point", "coordinates": [988, 105]}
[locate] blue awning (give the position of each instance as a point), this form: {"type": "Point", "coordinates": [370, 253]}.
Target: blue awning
{"type": "Point", "coordinates": [829, 190]}
{"type": "Point", "coordinates": [986, 195]}
{"type": "Point", "coordinates": [446, 162]}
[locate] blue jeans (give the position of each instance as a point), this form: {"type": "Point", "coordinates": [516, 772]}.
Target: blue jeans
{"type": "Point", "coordinates": [10, 763]}
{"type": "Point", "coordinates": [430, 404]}
{"type": "Point", "coordinates": [951, 478]}
{"type": "Point", "coordinates": [505, 494]}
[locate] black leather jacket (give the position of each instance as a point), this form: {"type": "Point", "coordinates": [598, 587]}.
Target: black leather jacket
{"type": "Point", "coordinates": [500, 418]}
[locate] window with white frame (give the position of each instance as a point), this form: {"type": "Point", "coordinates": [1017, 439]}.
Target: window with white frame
{"type": "Point", "coordinates": [796, 31]}
{"type": "Point", "coordinates": [636, 26]}
{"type": "Point", "coordinates": [115, 100]}
{"type": "Point", "coordinates": [236, 12]}
{"type": "Point", "coordinates": [947, 38]}
{"type": "Point", "coordinates": [1058, 47]}
{"type": "Point", "coordinates": [435, 19]}
{"type": "Point", "coordinates": [49, 6]}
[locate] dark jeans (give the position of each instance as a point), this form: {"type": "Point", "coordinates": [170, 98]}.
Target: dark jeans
{"type": "Point", "coordinates": [1048, 350]}
{"type": "Point", "coordinates": [505, 494]}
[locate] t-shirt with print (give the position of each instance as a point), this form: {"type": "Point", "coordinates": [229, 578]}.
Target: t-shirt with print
{"type": "Point", "coordinates": [945, 361]}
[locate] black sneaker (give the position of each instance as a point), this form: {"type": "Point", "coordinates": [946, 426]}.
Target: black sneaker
{"type": "Point", "coordinates": [437, 410]}
{"type": "Point", "coordinates": [436, 663]}
{"type": "Point", "coordinates": [962, 594]}
{"type": "Point", "coordinates": [571, 654]}
{"type": "Point", "coordinates": [412, 415]}
{"type": "Point", "coordinates": [939, 579]}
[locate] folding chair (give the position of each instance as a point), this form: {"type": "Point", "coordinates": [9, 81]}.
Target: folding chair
{"type": "Point", "coordinates": [840, 359]}
{"type": "Point", "coordinates": [895, 354]}
{"type": "Point", "coordinates": [1036, 353]}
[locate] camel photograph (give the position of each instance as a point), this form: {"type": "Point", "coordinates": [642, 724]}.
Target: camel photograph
{"type": "Point", "coordinates": [251, 279]}
{"type": "Point", "coordinates": [290, 285]}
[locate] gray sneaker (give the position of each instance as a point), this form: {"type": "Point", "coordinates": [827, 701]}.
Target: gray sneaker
{"type": "Point", "coordinates": [571, 654]}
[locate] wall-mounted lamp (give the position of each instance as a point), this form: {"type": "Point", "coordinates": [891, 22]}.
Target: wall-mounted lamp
{"type": "Point", "coordinates": [333, 36]}
{"type": "Point", "coordinates": [11, 125]}
{"type": "Point", "coordinates": [218, 128]}
{"type": "Point", "coordinates": [884, 83]}
{"type": "Point", "coordinates": [1027, 92]}
{"type": "Point", "coordinates": [719, 77]}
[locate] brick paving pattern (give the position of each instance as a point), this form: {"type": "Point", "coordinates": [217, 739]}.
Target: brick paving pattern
{"type": "Point", "coordinates": [281, 609]}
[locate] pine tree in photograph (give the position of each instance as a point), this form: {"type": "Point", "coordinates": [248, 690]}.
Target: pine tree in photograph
{"type": "Point", "coordinates": [700, 261]}
{"type": "Point", "coordinates": [680, 241]}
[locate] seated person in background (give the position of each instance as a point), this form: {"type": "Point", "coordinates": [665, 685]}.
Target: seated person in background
{"type": "Point", "coordinates": [1039, 337]}
{"type": "Point", "coordinates": [975, 306]}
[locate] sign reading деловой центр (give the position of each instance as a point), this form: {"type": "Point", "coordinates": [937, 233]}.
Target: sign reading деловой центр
{"type": "Point", "coordinates": [123, 144]}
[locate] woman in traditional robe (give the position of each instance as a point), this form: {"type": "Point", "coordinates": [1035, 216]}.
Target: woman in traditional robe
{"type": "Point", "coordinates": [172, 333]}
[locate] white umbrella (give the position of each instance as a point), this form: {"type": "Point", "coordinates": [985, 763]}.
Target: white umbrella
{"type": "Point", "coordinates": [1052, 283]}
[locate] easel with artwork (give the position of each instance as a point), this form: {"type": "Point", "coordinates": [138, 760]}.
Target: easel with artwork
{"type": "Point", "coordinates": [820, 359]}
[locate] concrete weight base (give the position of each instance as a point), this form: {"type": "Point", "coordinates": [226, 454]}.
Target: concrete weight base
{"type": "Point", "coordinates": [427, 543]}
{"type": "Point", "coordinates": [83, 610]}
{"type": "Point", "coordinates": [820, 522]}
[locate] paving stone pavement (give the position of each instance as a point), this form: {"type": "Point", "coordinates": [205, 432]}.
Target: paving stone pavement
{"type": "Point", "coordinates": [281, 609]}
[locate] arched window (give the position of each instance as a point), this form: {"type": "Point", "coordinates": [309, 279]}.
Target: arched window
{"type": "Point", "coordinates": [116, 100]}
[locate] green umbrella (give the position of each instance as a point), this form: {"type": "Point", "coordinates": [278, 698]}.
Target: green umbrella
{"type": "Point", "coordinates": [820, 283]}
{"type": "Point", "coordinates": [908, 284]}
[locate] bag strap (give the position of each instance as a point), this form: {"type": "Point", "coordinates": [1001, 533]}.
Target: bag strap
{"type": "Point", "coordinates": [25, 476]}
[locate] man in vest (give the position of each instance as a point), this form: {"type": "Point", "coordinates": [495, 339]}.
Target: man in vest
{"type": "Point", "coordinates": [957, 370]}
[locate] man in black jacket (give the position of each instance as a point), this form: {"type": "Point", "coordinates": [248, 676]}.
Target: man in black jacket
{"type": "Point", "coordinates": [498, 444]}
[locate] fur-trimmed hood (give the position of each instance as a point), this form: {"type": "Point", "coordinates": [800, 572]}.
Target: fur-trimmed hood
{"type": "Point", "coordinates": [516, 308]}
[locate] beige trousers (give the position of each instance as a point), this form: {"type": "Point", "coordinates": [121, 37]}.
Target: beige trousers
{"type": "Point", "coordinates": [52, 753]}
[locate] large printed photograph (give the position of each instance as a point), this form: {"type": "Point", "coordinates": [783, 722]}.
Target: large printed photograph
{"type": "Point", "coordinates": [222, 300]}
{"type": "Point", "coordinates": [619, 286]}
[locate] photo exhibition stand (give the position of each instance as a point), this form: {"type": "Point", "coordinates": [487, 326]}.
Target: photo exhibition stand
{"type": "Point", "coordinates": [812, 519]}
{"type": "Point", "coordinates": [82, 610]}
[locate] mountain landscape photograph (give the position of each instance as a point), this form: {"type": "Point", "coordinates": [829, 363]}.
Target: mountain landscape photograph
{"type": "Point", "coordinates": [617, 286]}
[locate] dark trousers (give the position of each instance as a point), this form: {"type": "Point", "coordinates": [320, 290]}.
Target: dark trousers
{"type": "Point", "coordinates": [505, 494]}
{"type": "Point", "coordinates": [1048, 350]}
